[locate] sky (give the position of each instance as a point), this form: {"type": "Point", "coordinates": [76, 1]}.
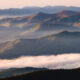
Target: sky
{"type": "Point", "coordinates": [24, 3]}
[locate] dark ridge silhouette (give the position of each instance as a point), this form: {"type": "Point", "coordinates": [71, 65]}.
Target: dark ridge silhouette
{"type": "Point", "coordinates": [49, 75]}
{"type": "Point", "coordinates": [18, 71]}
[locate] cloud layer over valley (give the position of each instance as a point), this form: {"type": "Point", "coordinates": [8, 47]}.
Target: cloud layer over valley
{"type": "Point", "coordinates": [66, 61]}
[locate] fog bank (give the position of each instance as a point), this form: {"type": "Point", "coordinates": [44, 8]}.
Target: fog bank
{"type": "Point", "coordinates": [66, 61]}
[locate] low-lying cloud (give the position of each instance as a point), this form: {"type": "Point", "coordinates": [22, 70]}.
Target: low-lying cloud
{"type": "Point", "coordinates": [66, 61]}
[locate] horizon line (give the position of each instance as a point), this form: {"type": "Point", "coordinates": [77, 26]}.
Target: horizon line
{"type": "Point", "coordinates": [39, 7]}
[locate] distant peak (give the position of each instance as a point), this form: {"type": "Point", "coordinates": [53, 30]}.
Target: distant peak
{"type": "Point", "coordinates": [63, 11]}
{"type": "Point", "coordinates": [40, 13]}
{"type": "Point", "coordinates": [66, 12]}
{"type": "Point", "coordinates": [65, 32]}
{"type": "Point", "coordinates": [68, 33]}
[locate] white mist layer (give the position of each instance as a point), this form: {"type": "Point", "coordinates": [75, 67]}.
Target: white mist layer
{"type": "Point", "coordinates": [66, 61]}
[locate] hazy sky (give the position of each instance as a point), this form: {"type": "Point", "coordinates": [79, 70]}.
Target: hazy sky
{"type": "Point", "coordinates": [23, 3]}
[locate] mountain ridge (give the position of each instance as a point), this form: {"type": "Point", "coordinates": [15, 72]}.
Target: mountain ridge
{"type": "Point", "coordinates": [33, 10]}
{"type": "Point", "coordinates": [64, 42]}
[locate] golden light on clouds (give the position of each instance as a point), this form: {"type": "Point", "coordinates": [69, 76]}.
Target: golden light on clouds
{"type": "Point", "coordinates": [23, 3]}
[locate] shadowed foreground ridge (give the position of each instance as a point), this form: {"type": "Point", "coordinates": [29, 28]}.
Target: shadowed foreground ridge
{"type": "Point", "coordinates": [18, 71]}
{"type": "Point", "coordinates": [49, 75]}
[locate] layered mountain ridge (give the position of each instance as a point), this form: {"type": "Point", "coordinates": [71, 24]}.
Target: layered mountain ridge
{"type": "Point", "coordinates": [39, 17]}
{"type": "Point", "coordinates": [38, 24]}
{"type": "Point", "coordinates": [65, 23]}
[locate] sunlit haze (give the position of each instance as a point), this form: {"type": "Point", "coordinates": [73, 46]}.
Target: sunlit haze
{"type": "Point", "coordinates": [41, 3]}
